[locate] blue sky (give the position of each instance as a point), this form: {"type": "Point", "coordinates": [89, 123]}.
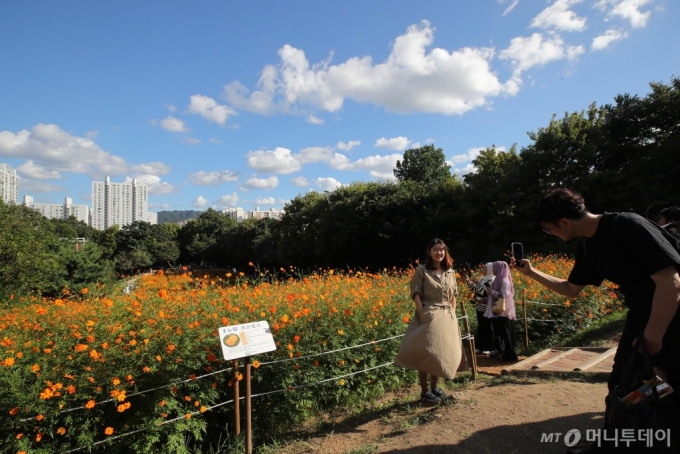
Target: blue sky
{"type": "Point", "coordinates": [224, 104]}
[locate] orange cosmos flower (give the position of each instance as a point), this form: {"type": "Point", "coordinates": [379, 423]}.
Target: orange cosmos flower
{"type": "Point", "coordinates": [38, 437]}
{"type": "Point", "coordinates": [14, 411]}
{"type": "Point", "coordinates": [35, 368]}
{"type": "Point", "coordinates": [61, 430]}
{"type": "Point", "coordinates": [203, 409]}
{"type": "Point", "coordinates": [84, 291]}
{"type": "Point", "coordinates": [90, 404]}
{"type": "Point", "coordinates": [256, 364]}
{"type": "Point", "coordinates": [108, 431]}
{"type": "Point", "coordinates": [9, 362]}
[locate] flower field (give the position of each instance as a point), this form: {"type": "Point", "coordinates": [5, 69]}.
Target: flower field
{"type": "Point", "coordinates": [87, 368]}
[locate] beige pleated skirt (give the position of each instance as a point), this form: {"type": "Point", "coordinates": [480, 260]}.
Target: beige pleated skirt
{"type": "Point", "coordinates": [432, 343]}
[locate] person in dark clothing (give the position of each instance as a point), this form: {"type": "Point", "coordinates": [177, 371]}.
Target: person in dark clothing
{"type": "Point", "coordinates": [634, 253]}
{"type": "Point", "coordinates": [484, 335]}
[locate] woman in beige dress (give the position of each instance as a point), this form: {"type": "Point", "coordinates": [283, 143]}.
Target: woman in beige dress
{"type": "Point", "coordinates": [432, 343]}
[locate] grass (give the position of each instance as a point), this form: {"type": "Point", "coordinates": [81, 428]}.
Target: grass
{"type": "Point", "coordinates": [598, 334]}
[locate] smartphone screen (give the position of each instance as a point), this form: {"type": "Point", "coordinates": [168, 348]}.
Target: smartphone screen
{"type": "Point", "coordinates": [517, 251]}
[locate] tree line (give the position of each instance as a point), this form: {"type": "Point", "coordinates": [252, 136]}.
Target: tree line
{"type": "Point", "coordinates": [621, 156]}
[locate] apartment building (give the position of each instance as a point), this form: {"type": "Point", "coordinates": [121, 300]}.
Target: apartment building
{"type": "Point", "coordinates": [9, 184]}
{"type": "Point", "coordinates": [60, 211]}
{"type": "Point", "coordinates": [118, 203]}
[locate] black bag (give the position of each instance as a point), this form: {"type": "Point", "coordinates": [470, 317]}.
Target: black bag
{"type": "Point", "coordinates": [653, 413]}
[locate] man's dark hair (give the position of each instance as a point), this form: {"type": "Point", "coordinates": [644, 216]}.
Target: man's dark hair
{"type": "Point", "coordinates": [672, 214]}
{"type": "Point", "coordinates": [559, 204]}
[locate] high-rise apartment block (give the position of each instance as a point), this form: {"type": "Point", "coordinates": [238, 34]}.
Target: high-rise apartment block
{"type": "Point", "coordinates": [9, 186]}
{"type": "Point", "coordinates": [60, 211]}
{"type": "Point", "coordinates": [235, 213]}
{"type": "Point", "coordinates": [118, 203]}
{"type": "Point", "coordinates": [271, 213]}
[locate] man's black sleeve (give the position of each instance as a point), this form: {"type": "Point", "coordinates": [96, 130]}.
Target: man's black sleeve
{"type": "Point", "coordinates": [646, 243]}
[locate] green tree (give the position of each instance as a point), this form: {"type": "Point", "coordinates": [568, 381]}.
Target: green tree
{"type": "Point", "coordinates": [80, 267]}
{"type": "Point", "coordinates": [425, 165]}
{"type": "Point", "coordinates": [28, 261]}
{"type": "Point", "coordinates": [200, 239]}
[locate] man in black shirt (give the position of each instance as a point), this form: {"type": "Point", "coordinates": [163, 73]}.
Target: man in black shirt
{"type": "Point", "coordinates": [634, 253]}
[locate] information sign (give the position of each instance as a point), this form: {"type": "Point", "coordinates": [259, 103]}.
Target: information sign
{"type": "Point", "coordinates": [239, 341]}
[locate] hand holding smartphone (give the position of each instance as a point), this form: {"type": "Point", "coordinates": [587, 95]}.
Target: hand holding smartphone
{"type": "Point", "coordinates": [517, 253]}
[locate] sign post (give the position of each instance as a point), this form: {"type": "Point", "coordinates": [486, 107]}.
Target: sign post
{"type": "Point", "coordinates": [242, 341]}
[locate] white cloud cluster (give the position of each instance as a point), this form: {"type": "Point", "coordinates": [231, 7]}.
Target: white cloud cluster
{"type": "Point", "coordinates": [609, 37]}
{"type": "Point", "coordinates": [510, 7]}
{"type": "Point", "coordinates": [199, 202]}
{"type": "Point", "coordinates": [259, 183]}
{"type": "Point", "coordinates": [214, 178]}
{"type": "Point", "coordinates": [537, 50]}
{"type": "Point", "coordinates": [265, 201]}
{"type": "Point", "coordinates": [327, 184]}
{"type": "Point", "coordinates": [558, 16]}
{"type": "Point", "coordinates": [413, 78]}
{"type": "Point", "coordinates": [471, 154]}
{"type": "Point", "coordinates": [154, 168]}
{"type": "Point", "coordinates": [154, 184]}
{"type": "Point", "coordinates": [51, 150]}
{"type": "Point", "coordinates": [227, 200]}
{"type": "Point", "coordinates": [379, 167]}
{"type": "Point", "coordinates": [299, 181]}
{"type": "Point", "coordinates": [626, 9]}
{"type": "Point", "coordinates": [348, 146]}
{"type": "Point", "coordinates": [396, 143]}
{"type": "Point", "coordinates": [173, 124]}
{"type": "Point", "coordinates": [209, 109]}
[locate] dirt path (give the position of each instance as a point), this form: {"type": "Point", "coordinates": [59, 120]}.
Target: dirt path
{"type": "Point", "coordinates": [494, 415]}
{"type": "Point", "coordinates": [507, 418]}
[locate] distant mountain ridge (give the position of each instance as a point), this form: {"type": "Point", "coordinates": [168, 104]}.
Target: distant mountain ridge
{"type": "Point", "coordinates": [177, 216]}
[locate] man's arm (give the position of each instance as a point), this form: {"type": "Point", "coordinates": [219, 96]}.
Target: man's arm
{"type": "Point", "coordinates": [561, 286]}
{"type": "Point", "coordinates": [664, 307]}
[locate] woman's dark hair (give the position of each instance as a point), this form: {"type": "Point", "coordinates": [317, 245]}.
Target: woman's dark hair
{"type": "Point", "coordinates": [559, 204]}
{"type": "Point", "coordinates": [672, 214]}
{"type": "Point", "coordinates": [447, 263]}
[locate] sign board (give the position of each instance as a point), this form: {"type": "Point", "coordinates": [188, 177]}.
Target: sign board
{"type": "Point", "coordinates": [239, 341]}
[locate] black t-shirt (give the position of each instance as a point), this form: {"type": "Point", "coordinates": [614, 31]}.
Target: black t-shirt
{"type": "Point", "coordinates": [626, 253]}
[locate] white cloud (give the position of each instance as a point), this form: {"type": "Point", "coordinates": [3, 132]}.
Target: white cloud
{"type": "Point", "coordinates": [92, 134]}
{"type": "Point", "coordinates": [573, 52]}
{"type": "Point", "coordinates": [209, 109]}
{"type": "Point", "coordinates": [348, 146]}
{"type": "Point", "coordinates": [535, 50]}
{"type": "Point", "coordinates": [314, 154]}
{"type": "Point", "coordinates": [471, 154]}
{"type": "Point", "coordinates": [215, 178]}
{"type": "Point", "coordinates": [171, 107]}
{"type": "Point", "coordinates": [279, 160]}
{"type": "Point", "coordinates": [53, 149]}
{"type": "Point", "coordinates": [259, 183]}
{"type": "Point", "coordinates": [558, 16]}
{"type": "Point", "coordinates": [628, 10]}
{"type": "Point", "coordinates": [173, 124]}
{"type": "Point", "coordinates": [153, 182]}
{"type": "Point", "coordinates": [165, 206]}
{"type": "Point", "coordinates": [604, 40]}
{"type": "Point", "coordinates": [395, 143]}
{"type": "Point", "coordinates": [380, 167]}
{"type": "Point", "coordinates": [299, 181]}
{"type": "Point", "coordinates": [227, 200]}
{"type": "Point", "coordinates": [265, 201]}
{"type": "Point", "coordinates": [154, 168]}
{"type": "Point", "coordinates": [200, 202]}
{"type": "Point", "coordinates": [413, 78]}
{"type": "Point", "coordinates": [31, 170]}
{"type": "Point", "coordinates": [40, 186]}
{"type": "Point", "coordinates": [191, 140]}
{"type": "Point", "coordinates": [214, 140]}
{"type": "Point", "coordinates": [465, 170]}
{"type": "Point", "coordinates": [327, 184]}
{"type": "Point", "coordinates": [314, 120]}
{"type": "Point", "coordinates": [510, 7]}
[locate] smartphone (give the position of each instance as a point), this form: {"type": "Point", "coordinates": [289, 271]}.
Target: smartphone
{"type": "Point", "coordinates": [517, 252]}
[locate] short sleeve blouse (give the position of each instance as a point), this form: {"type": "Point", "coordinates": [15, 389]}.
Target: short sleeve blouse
{"type": "Point", "coordinates": [434, 290]}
